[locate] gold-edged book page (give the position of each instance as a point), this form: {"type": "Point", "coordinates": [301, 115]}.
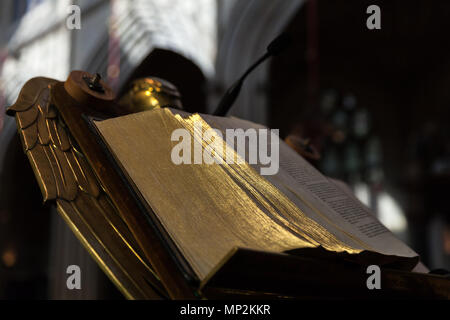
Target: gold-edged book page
{"type": "Point", "coordinates": [207, 209]}
{"type": "Point", "coordinates": [327, 201]}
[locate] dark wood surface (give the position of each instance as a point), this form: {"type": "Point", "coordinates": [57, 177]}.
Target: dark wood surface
{"type": "Point", "coordinates": [248, 273]}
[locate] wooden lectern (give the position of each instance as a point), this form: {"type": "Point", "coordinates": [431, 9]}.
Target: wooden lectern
{"type": "Point", "coordinates": [75, 171]}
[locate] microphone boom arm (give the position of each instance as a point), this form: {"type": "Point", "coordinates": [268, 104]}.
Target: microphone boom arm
{"type": "Point", "coordinates": [274, 48]}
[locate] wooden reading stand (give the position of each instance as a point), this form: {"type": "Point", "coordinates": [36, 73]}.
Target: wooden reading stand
{"type": "Point", "coordinates": [151, 269]}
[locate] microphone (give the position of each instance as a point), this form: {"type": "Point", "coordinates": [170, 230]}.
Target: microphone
{"type": "Point", "coordinates": [278, 45]}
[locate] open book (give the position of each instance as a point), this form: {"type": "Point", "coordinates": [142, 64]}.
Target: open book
{"type": "Point", "coordinates": [207, 210]}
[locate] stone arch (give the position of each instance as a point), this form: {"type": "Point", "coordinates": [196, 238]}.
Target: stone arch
{"type": "Point", "coordinates": [150, 35]}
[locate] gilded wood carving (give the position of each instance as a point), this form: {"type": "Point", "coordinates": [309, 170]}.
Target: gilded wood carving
{"type": "Point", "coordinates": [65, 177]}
